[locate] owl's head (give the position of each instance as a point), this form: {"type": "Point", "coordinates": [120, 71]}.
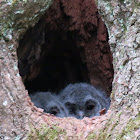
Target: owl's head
{"type": "Point", "coordinates": [49, 102]}
{"type": "Point", "coordinates": [80, 107]}
{"type": "Point", "coordinates": [83, 100]}
{"type": "Point", "coordinates": [55, 107]}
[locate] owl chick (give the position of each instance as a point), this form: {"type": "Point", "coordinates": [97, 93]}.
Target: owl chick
{"type": "Point", "coordinates": [83, 100]}
{"type": "Point", "coordinates": [49, 102]}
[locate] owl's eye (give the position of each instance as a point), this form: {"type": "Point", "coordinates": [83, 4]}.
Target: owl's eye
{"type": "Point", "coordinates": [72, 109]}
{"type": "Point", "coordinates": [90, 107]}
{"type": "Point", "coordinates": [54, 111]}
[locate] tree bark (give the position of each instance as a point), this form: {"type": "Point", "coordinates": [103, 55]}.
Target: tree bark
{"type": "Point", "coordinates": [121, 19]}
{"type": "Point", "coordinates": [17, 113]}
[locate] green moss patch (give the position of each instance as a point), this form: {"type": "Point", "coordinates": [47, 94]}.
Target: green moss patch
{"type": "Point", "coordinates": [91, 136]}
{"type": "Point", "coordinates": [128, 131]}
{"type": "Point", "coordinates": [47, 133]}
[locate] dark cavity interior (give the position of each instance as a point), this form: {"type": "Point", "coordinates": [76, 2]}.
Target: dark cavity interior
{"type": "Point", "coordinates": [69, 44]}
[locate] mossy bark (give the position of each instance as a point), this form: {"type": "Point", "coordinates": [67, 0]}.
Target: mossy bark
{"type": "Point", "coordinates": [15, 18]}
{"type": "Point", "coordinates": [122, 21]}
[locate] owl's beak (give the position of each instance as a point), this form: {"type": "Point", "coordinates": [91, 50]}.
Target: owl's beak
{"type": "Point", "coordinates": [81, 115]}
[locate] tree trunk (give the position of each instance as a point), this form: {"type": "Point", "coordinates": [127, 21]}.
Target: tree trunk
{"type": "Point", "coordinates": [19, 119]}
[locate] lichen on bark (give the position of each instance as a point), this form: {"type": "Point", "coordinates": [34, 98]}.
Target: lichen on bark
{"type": "Point", "coordinates": [15, 18]}
{"type": "Point", "coordinates": [122, 21]}
{"type": "Point", "coordinates": [19, 15]}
